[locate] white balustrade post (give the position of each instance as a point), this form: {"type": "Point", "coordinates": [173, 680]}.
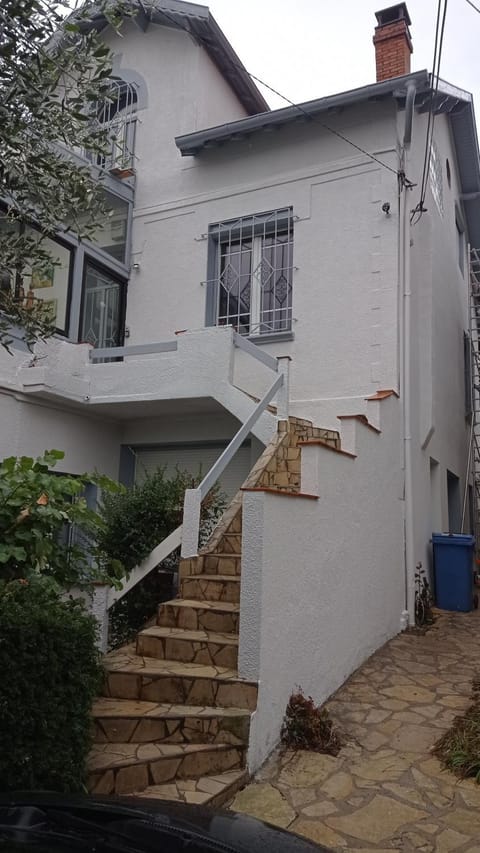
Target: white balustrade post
{"type": "Point", "coordinates": [100, 611]}
{"type": "Point", "coordinates": [283, 396]}
{"type": "Point", "coordinates": [191, 522]}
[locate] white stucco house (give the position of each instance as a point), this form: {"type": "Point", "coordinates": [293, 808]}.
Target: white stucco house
{"type": "Point", "coordinates": [291, 257]}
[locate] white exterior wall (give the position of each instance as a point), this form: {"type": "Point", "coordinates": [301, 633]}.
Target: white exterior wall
{"type": "Point", "coordinates": [29, 427]}
{"type": "Point", "coordinates": [345, 251]}
{"type": "Point", "coordinates": [439, 319]}
{"type": "Point", "coordinates": [185, 92]}
{"type": "Point", "coordinates": [322, 581]}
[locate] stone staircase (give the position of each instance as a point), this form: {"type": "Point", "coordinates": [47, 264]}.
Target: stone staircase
{"type": "Point", "coordinates": [175, 716]}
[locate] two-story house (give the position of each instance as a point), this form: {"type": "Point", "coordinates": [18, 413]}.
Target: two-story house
{"type": "Point", "coordinates": [284, 256]}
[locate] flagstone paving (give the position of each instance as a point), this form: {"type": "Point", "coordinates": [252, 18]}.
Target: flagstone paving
{"type": "Point", "coordinates": [385, 791]}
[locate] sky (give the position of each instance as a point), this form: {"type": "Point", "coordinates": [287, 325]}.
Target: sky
{"type": "Point", "coordinates": [310, 48]}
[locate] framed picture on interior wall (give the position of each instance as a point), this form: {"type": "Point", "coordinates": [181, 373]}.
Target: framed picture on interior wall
{"type": "Point", "coordinates": [43, 278]}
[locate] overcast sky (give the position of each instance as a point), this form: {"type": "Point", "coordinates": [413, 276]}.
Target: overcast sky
{"type": "Point", "coordinates": [310, 48]}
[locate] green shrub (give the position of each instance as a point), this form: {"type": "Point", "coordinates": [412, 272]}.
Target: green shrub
{"type": "Point", "coordinates": [141, 517]}
{"type": "Point", "coordinates": [50, 674]}
{"type": "Point", "coordinates": [308, 726]}
{"type": "Point", "coordinates": [459, 748]}
{"type": "Point", "coordinates": [38, 510]}
{"type": "Point", "coordinates": [138, 606]}
{"type": "Point", "coordinates": [137, 520]}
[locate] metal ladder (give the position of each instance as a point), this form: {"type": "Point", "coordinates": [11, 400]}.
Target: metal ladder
{"type": "Point", "coordinates": [472, 390]}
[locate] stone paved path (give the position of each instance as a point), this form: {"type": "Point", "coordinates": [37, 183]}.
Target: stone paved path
{"type": "Point", "coordinates": [385, 791]}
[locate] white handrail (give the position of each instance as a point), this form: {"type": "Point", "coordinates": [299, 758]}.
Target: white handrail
{"type": "Point", "coordinates": [194, 497]}
{"type": "Point", "coordinates": [241, 342]}
{"type": "Point", "coordinates": [211, 478]}
{"type": "Point", "coordinates": [136, 349]}
{"type": "Point", "coordinates": [160, 553]}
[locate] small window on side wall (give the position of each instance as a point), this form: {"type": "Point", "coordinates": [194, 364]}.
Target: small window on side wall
{"type": "Point", "coordinates": [460, 244]}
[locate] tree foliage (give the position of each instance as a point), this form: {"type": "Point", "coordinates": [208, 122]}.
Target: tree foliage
{"type": "Point", "coordinates": [38, 512]}
{"type": "Point", "coordinates": [53, 74]}
{"type": "Point", "coordinates": [51, 673]}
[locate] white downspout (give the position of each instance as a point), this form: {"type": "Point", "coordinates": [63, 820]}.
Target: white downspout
{"type": "Point", "coordinates": [408, 616]}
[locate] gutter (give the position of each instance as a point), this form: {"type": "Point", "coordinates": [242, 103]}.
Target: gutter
{"type": "Point", "coordinates": [408, 615]}
{"type": "Point", "coordinates": [191, 143]}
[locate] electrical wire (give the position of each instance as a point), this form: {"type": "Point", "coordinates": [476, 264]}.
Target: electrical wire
{"type": "Point", "coordinates": [437, 57]}
{"type": "Point", "coordinates": [473, 6]}
{"type": "Point", "coordinates": [305, 112]}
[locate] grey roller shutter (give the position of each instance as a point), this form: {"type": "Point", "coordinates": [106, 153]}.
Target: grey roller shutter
{"type": "Point", "coordinates": [194, 458]}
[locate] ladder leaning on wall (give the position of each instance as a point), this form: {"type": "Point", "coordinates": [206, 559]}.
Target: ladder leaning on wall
{"type": "Point", "coordinates": [472, 394]}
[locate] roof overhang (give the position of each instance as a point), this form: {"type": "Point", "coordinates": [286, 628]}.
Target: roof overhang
{"type": "Point", "coordinates": [198, 21]}
{"type": "Point", "coordinates": [447, 99]}
{"type": "Point", "coordinates": [192, 143]}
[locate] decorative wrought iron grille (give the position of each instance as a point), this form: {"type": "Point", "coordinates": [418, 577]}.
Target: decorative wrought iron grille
{"type": "Point", "coordinates": [253, 272]}
{"type": "Point", "coordinates": [117, 114]}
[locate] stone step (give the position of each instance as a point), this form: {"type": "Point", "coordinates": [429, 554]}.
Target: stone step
{"type": "Point", "coordinates": [222, 563]}
{"type": "Point", "coordinates": [204, 647]}
{"type": "Point", "coordinates": [221, 617]}
{"type": "Point", "coordinates": [131, 676]}
{"type": "Point", "coordinates": [211, 587]}
{"type": "Point", "coordinates": [125, 768]}
{"type": "Point", "coordinates": [212, 791]}
{"type": "Point", "coordinates": [230, 543]}
{"type": "Point", "coordinates": [130, 721]}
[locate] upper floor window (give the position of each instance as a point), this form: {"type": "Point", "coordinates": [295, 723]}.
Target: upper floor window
{"type": "Point", "coordinates": [436, 177]}
{"type": "Point", "coordinates": [460, 243]}
{"type": "Point", "coordinates": [251, 273]}
{"type": "Point", "coordinates": [49, 284]}
{"type": "Point", "coordinates": [117, 114]}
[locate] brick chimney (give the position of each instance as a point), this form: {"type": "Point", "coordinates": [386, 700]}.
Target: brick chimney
{"type": "Point", "coordinates": [393, 43]}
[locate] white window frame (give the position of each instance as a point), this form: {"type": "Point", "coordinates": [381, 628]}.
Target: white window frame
{"type": "Point", "coordinates": [259, 240]}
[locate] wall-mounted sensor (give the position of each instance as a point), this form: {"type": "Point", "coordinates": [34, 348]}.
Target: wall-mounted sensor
{"type": "Point", "coordinates": [386, 207]}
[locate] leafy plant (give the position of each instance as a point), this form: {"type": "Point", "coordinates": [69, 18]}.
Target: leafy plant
{"type": "Point", "coordinates": [459, 748]}
{"type": "Point", "coordinates": [51, 673]}
{"type": "Point", "coordinates": [138, 519]}
{"type": "Point", "coordinates": [54, 72]}
{"type": "Point", "coordinates": [308, 726]}
{"type": "Point", "coordinates": [38, 511]}
{"type": "Point", "coordinates": [138, 606]}
{"type": "Point", "coordinates": [423, 598]}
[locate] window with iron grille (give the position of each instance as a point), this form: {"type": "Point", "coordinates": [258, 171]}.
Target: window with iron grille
{"type": "Point", "coordinates": [250, 273]}
{"type": "Point", "coordinates": [117, 115]}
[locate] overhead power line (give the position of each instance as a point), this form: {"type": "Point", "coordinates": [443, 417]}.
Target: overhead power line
{"type": "Point", "coordinates": [305, 112]}
{"type": "Point", "coordinates": [437, 57]}
{"type": "Point", "coordinates": [473, 6]}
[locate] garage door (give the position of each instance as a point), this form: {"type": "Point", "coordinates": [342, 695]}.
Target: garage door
{"type": "Point", "coordinates": [195, 459]}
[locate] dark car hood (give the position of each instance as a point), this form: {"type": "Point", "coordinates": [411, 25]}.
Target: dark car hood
{"type": "Point", "coordinates": [224, 830]}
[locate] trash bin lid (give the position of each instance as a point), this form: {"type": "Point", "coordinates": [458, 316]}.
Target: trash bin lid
{"type": "Point", "coordinates": [453, 539]}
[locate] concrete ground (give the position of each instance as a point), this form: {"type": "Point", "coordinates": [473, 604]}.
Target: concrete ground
{"type": "Point", "coordinates": [385, 791]}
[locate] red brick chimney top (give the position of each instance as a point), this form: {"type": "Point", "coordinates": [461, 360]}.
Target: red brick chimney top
{"type": "Point", "coordinates": [393, 43]}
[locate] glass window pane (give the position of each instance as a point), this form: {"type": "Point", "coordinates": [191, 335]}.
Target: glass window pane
{"type": "Point", "coordinates": [102, 309]}
{"type": "Point", "coordinates": [111, 233]}
{"type": "Point", "coordinates": [52, 284]}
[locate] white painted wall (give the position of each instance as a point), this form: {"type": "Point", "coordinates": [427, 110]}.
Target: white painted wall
{"type": "Point", "coordinates": [29, 427]}
{"type": "Point", "coordinates": [345, 255]}
{"type": "Point", "coordinates": [322, 581]}
{"type": "Point", "coordinates": [440, 316]}
{"type": "Point", "coordinates": [185, 91]}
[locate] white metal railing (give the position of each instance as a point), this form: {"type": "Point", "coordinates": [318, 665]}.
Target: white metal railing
{"type": "Point", "coordinates": [194, 497]}
{"type": "Point", "coordinates": [187, 535]}
{"type": "Point", "coordinates": [137, 349]}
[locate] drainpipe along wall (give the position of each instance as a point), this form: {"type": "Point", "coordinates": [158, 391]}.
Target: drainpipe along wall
{"type": "Point", "coordinates": [408, 615]}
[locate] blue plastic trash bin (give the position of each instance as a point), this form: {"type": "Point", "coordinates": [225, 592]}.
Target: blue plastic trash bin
{"type": "Point", "coordinates": [453, 563]}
